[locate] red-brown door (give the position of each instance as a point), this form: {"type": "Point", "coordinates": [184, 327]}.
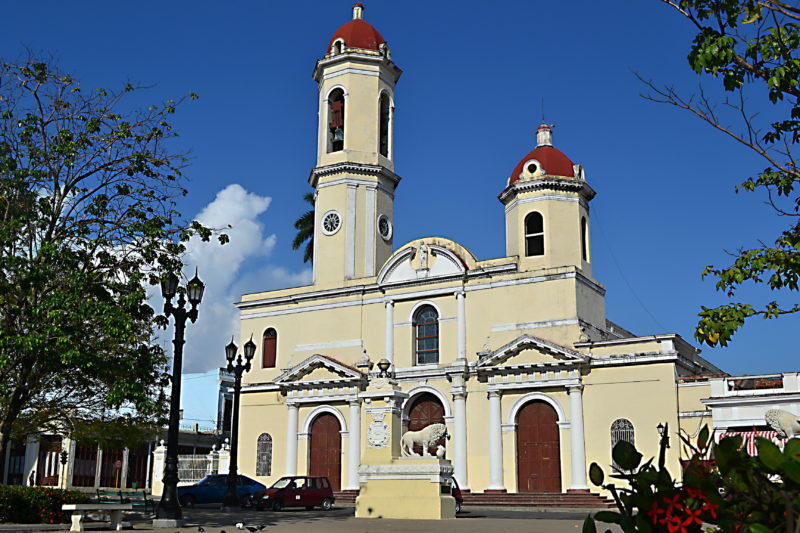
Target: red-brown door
{"type": "Point", "coordinates": [326, 449]}
{"type": "Point", "coordinates": [538, 451]}
{"type": "Point", "coordinates": [48, 465]}
{"type": "Point", "coordinates": [426, 410]}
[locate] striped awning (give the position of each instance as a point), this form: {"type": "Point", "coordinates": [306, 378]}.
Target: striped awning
{"type": "Point", "coordinates": [749, 439]}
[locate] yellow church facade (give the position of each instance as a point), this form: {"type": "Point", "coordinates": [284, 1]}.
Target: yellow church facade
{"type": "Point", "coordinates": [514, 354]}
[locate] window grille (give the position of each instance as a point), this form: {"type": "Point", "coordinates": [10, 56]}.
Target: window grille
{"type": "Point", "coordinates": [621, 429]}
{"type": "Point", "coordinates": [264, 455]}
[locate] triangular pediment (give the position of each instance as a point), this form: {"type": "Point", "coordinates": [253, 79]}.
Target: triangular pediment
{"type": "Point", "coordinates": [319, 368]}
{"type": "Point", "coordinates": [529, 350]}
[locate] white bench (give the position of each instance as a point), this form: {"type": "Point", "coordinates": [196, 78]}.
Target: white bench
{"type": "Point", "coordinates": [81, 510]}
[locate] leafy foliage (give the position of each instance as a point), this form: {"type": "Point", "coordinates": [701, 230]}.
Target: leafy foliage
{"type": "Point", "coordinates": [750, 46]}
{"type": "Point", "coordinates": [305, 230]}
{"type": "Point", "coordinates": [87, 222]}
{"type": "Point", "coordinates": [739, 493]}
{"type": "Point", "coordinates": [37, 505]}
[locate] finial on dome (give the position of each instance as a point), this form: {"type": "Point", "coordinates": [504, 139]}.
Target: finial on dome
{"type": "Point", "coordinates": [358, 11]}
{"type": "Point", "coordinates": [544, 135]}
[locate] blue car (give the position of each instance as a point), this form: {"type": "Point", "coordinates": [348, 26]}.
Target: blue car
{"type": "Point", "coordinates": [212, 489]}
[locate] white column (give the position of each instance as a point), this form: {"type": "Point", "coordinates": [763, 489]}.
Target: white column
{"type": "Point", "coordinates": [577, 444]}
{"type": "Point", "coordinates": [495, 443]}
{"type": "Point", "coordinates": [460, 466]}
{"type": "Point", "coordinates": [462, 326]}
{"type": "Point", "coordinates": [389, 332]}
{"type": "Point", "coordinates": [354, 446]}
{"type": "Point", "coordinates": [291, 441]}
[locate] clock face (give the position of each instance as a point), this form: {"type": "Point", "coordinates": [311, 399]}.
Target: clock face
{"type": "Point", "coordinates": [384, 227]}
{"type": "Point", "coordinates": [331, 222]}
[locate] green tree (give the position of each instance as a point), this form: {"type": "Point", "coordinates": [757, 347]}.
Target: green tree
{"type": "Point", "coordinates": [87, 223]}
{"type": "Point", "coordinates": [751, 47]}
{"type": "Point", "coordinates": [305, 230]}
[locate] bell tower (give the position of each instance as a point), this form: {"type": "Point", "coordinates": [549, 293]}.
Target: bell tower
{"type": "Point", "coordinates": [547, 209]}
{"type": "Point", "coordinates": [354, 178]}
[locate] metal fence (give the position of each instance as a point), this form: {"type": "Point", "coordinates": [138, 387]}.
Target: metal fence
{"type": "Point", "coordinates": [193, 468]}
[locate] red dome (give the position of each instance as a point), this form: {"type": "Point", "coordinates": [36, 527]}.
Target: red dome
{"type": "Point", "coordinates": [358, 33]}
{"type": "Point", "coordinates": [553, 161]}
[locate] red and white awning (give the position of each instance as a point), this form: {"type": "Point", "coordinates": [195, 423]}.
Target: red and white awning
{"type": "Point", "coordinates": [749, 439]}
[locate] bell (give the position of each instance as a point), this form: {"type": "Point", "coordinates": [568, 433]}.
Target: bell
{"type": "Point", "coordinates": [338, 134]}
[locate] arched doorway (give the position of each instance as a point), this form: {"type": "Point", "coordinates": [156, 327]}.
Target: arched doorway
{"type": "Point", "coordinates": [538, 450]}
{"type": "Point", "coordinates": [425, 410]}
{"type": "Point", "coordinates": [326, 449]}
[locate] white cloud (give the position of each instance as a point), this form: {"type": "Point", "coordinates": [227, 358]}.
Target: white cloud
{"type": "Point", "coordinates": [221, 269]}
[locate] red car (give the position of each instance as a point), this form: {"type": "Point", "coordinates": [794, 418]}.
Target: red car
{"type": "Point", "coordinates": [296, 491]}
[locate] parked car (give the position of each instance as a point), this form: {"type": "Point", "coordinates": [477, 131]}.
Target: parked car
{"type": "Point", "coordinates": [212, 489]}
{"type": "Point", "coordinates": [457, 495]}
{"type": "Point", "coordinates": [296, 491]}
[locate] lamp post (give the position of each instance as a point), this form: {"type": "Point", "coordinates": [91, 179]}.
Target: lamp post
{"type": "Point", "coordinates": [168, 508]}
{"type": "Point", "coordinates": [64, 458]}
{"type": "Point", "coordinates": [231, 500]}
{"type": "Point", "coordinates": [663, 432]}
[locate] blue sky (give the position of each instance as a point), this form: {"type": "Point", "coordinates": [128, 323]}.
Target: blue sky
{"type": "Point", "coordinates": [467, 106]}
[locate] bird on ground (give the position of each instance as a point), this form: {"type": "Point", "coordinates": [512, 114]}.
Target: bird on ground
{"type": "Point", "coordinates": [200, 529]}
{"type": "Point", "coordinates": [239, 525]}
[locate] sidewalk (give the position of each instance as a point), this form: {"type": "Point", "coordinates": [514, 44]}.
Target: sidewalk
{"type": "Point", "coordinates": [341, 520]}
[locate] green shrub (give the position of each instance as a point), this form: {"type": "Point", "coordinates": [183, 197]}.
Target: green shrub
{"type": "Point", "coordinates": [736, 493]}
{"type": "Point", "coordinates": [37, 505]}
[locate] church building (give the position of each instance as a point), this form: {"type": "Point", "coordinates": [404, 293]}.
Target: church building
{"type": "Point", "coordinates": [514, 354]}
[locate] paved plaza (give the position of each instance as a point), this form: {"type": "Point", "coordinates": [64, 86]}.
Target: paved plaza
{"type": "Point", "coordinates": [341, 519]}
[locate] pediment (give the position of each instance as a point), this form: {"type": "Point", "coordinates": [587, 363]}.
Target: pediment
{"type": "Point", "coordinates": [529, 350]}
{"type": "Point", "coordinates": [422, 259]}
{"type": "Point", "coordinates": [319, 368]}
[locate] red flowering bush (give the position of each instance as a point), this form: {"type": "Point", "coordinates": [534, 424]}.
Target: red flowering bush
{"type": "Point", "coordinates": [740, 494]}
{"type": "Point", "coordinates": [36, 505]}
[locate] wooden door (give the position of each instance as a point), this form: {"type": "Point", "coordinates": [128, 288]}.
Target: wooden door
{"type": "Point", "coordinates": [48, 466]}
{"type": "Point", "coordinates": [326, 449]}
{"type": "Point", "coordinates": [426, 410]}
{"type": "Point", "coordinates": [538, 450]}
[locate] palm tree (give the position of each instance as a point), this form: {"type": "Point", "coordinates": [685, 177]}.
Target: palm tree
{"type": "Point", "coordinates": [305, 230]}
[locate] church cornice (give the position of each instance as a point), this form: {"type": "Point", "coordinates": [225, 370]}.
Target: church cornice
{"type": "Point", "coordinates": [549, 183]}
{"type": "Point", "coordinates": [354, 56]}
{"type": "Point", "coordinates": [357, 169]}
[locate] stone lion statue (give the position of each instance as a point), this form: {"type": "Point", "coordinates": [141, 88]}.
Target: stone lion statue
{"type": "Point", "coordinates": [425, 437]}
{"type": "Point", "coordinates": [786, 424]}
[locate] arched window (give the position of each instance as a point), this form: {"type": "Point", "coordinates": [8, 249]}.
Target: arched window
{"type": "Point", "coordinates": [338, 46]}
{"type": "Point", "coordinates": [264, 455]}
{"type": "Point", "coordinates": [534, 234]}
{"type": "Point", "coordinates": [584, 239]}
{"type": "Point", "coordinates": [426, 336]}
{"type": "Point", "coordinates": [621, 429]}
{"type": "Point", "coordinates": [270, 349]}
{"type": "Point", "coordinates": [336, 121]}
{"type": "Point", "coordinates": [385, 113]}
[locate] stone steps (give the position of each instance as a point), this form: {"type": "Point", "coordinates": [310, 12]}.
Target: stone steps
{"type": "Point", "coordinates": [543, 499]}
{"type": "Point", "coordinates": [582, 500]}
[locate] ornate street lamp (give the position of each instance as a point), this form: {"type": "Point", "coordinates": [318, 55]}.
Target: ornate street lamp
{"type": "Point", "coordinates": [231, 500]}
{"type": "Point", "coordinates": [169, 507]}
{"type": "Point", "coordinates": [64, 458]}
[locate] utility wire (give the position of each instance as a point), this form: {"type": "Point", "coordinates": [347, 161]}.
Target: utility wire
{"type": "Point", "coordinates": [596, 219]}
